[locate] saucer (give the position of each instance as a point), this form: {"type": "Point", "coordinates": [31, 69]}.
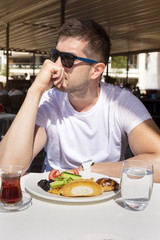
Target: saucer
{"type": "Point", "coordinates": [26, 202]}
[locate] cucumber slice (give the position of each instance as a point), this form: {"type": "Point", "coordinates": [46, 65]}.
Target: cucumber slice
{"type": "Point", "coordinates": [57, 184]}
{"type": "Point", "coordinates": [66, 175]}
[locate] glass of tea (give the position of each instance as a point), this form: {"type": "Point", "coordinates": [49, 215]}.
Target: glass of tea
{"type": "Point", "coordinates": [10, 192]}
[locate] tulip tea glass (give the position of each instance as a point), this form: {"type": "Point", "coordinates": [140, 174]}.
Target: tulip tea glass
{"type": "Point", "coordinates": [136, 184]}
{"type": "Point", "coordinates": [10, 192]}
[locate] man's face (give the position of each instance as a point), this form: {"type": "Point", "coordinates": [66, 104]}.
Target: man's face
{"type": "Point", "coordinates": [79, 74]}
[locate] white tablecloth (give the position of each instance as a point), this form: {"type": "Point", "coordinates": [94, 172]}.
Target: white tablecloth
{"type": "Point", "coordinates": [45, 220]}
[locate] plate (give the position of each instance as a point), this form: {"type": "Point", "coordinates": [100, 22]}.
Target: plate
{"type": "Point", "coordinates": [32, 187]}
{"type": "Point", "coordinates": [100, 236]}
{"type": "Point", "coordinates": [26, 201]}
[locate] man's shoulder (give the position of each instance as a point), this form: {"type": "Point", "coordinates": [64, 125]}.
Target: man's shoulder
{"type": "Point", "coordinates": [111, 91]}
{"type": "Point", "coordinates": [119, 96]}
{"type": "Point", "coordinates": [108, 87]}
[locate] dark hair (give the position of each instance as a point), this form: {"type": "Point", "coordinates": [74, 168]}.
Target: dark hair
{"type": "Point", "coordinates": [98, 47]}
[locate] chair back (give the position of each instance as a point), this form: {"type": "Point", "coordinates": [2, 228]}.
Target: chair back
{"type": "Point", "coordinates": [16, 102]}
{"type": "Point", "coordinates": [5, 101]}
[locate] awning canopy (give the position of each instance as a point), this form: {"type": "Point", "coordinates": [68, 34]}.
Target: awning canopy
{"type": "Point", "coordinates": [134, 26]}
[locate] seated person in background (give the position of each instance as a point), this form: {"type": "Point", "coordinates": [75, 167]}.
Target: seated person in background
{"type": "Point", "coordinates": [136, 91]}
{"type": "Point", "coordinates": [24, 77]}
{"type": "Point", "coordinates": [3, 91]}
{"type": "Point", "coordinates": [81, 118]}
{"type": "Point", "coordinates": [14, 92]}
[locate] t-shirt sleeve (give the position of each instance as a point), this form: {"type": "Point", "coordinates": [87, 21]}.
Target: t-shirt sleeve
{"type": "Point", "coordinates": [131, 111]}
{"type": "Point", "coordinates": [41, 119]}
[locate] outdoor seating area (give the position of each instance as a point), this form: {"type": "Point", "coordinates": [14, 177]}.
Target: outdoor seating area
{"type": "Point", "coordinates": [9, 107]}
{"type": "Point", "coordinates": [6, 120]}
{"type": "Point", "coordinates": [13, 94]}
{"type": "Point", "coordinates": [13, 103]}
{"type": "Point", "coordinates": [81, 159]}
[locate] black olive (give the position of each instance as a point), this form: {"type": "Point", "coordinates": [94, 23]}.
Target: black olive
{"type": "Point", "coordinates": [44, 184]}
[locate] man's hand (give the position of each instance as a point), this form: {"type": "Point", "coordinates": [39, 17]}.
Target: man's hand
{"type": "Point", "coordinates": [49, 75]}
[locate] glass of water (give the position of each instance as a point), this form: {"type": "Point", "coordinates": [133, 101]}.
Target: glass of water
{"type": "Point", "coordinates": [136, 184]}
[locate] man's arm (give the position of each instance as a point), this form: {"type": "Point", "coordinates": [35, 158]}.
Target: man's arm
{"type": "Point", "coordinates": [144, 141]}
{"type": "Point", "coordinates": [17, 145]}
{"type": "Point", "coordinates": [23, 140]}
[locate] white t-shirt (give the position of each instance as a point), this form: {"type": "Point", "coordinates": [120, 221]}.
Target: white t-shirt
{"type": "Point", "coordinates": [99, 134]}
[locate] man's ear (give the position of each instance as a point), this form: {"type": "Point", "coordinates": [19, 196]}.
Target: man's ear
{"type": "Point", "coordinates": [98, 69]}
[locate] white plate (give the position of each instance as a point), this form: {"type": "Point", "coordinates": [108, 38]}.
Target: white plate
{"type": "Point", "coordinates": [33, 188]}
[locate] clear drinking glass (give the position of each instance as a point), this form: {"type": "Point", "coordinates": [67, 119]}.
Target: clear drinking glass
{"type": "Point", "coordinates": [10, 191]}
{"type": "Point", "coordinates": [136, 184]}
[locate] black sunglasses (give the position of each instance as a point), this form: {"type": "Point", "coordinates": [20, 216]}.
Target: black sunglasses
{"type": "Point", "coordinates": [67, 59]}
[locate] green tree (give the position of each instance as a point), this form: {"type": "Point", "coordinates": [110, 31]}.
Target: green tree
{"type": "Point", "coordinates": [4, 70]}
{"type": "Point", "coordinates": [119, 62]}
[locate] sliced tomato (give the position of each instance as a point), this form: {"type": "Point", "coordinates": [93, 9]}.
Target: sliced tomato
{"type": "Point", "coordinates": [54, 174]}
{"type": "Point", "coordinates": [74, 171]}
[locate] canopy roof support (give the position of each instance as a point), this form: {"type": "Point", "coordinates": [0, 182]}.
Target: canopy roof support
{"type": "Point", "coordinates": [7, 53]}
{"type": "Point", "coordinates": [63, 5]}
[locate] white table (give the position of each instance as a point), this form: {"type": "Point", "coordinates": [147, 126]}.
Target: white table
{"type": "Point", "coordinates": [45, 220]}
{"type": "Point", "coordinates": [7, 116]}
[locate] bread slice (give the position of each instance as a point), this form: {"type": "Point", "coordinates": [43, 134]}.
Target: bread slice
{"type": "Point", "coordinates": [81, 188]}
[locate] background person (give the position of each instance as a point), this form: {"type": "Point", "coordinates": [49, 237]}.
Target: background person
{"type": "Point", "coordinates": [15, 91]}
{"type": "Point", "coordinates": [3, 90]}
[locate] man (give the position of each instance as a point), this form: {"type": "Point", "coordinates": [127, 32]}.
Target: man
{"type": "Point", "coordinates": [82, 122]}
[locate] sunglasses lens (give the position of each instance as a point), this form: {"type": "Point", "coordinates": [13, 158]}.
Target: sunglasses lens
{"type": "Point", "coordinates": [67, 60]}
{"type": "Point", "coordinates": [54, 55]}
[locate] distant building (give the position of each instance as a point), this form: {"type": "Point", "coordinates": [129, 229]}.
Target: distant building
{"type": "Point", "coordinates": [143, 68]}
{"type": "Point", "coordinates": [21, 63]}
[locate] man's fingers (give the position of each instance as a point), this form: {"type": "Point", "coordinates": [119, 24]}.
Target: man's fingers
{"type": "Point", "coordinates": [59, 84]}
{"type": "Point", "coordinates": [58, 78]}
